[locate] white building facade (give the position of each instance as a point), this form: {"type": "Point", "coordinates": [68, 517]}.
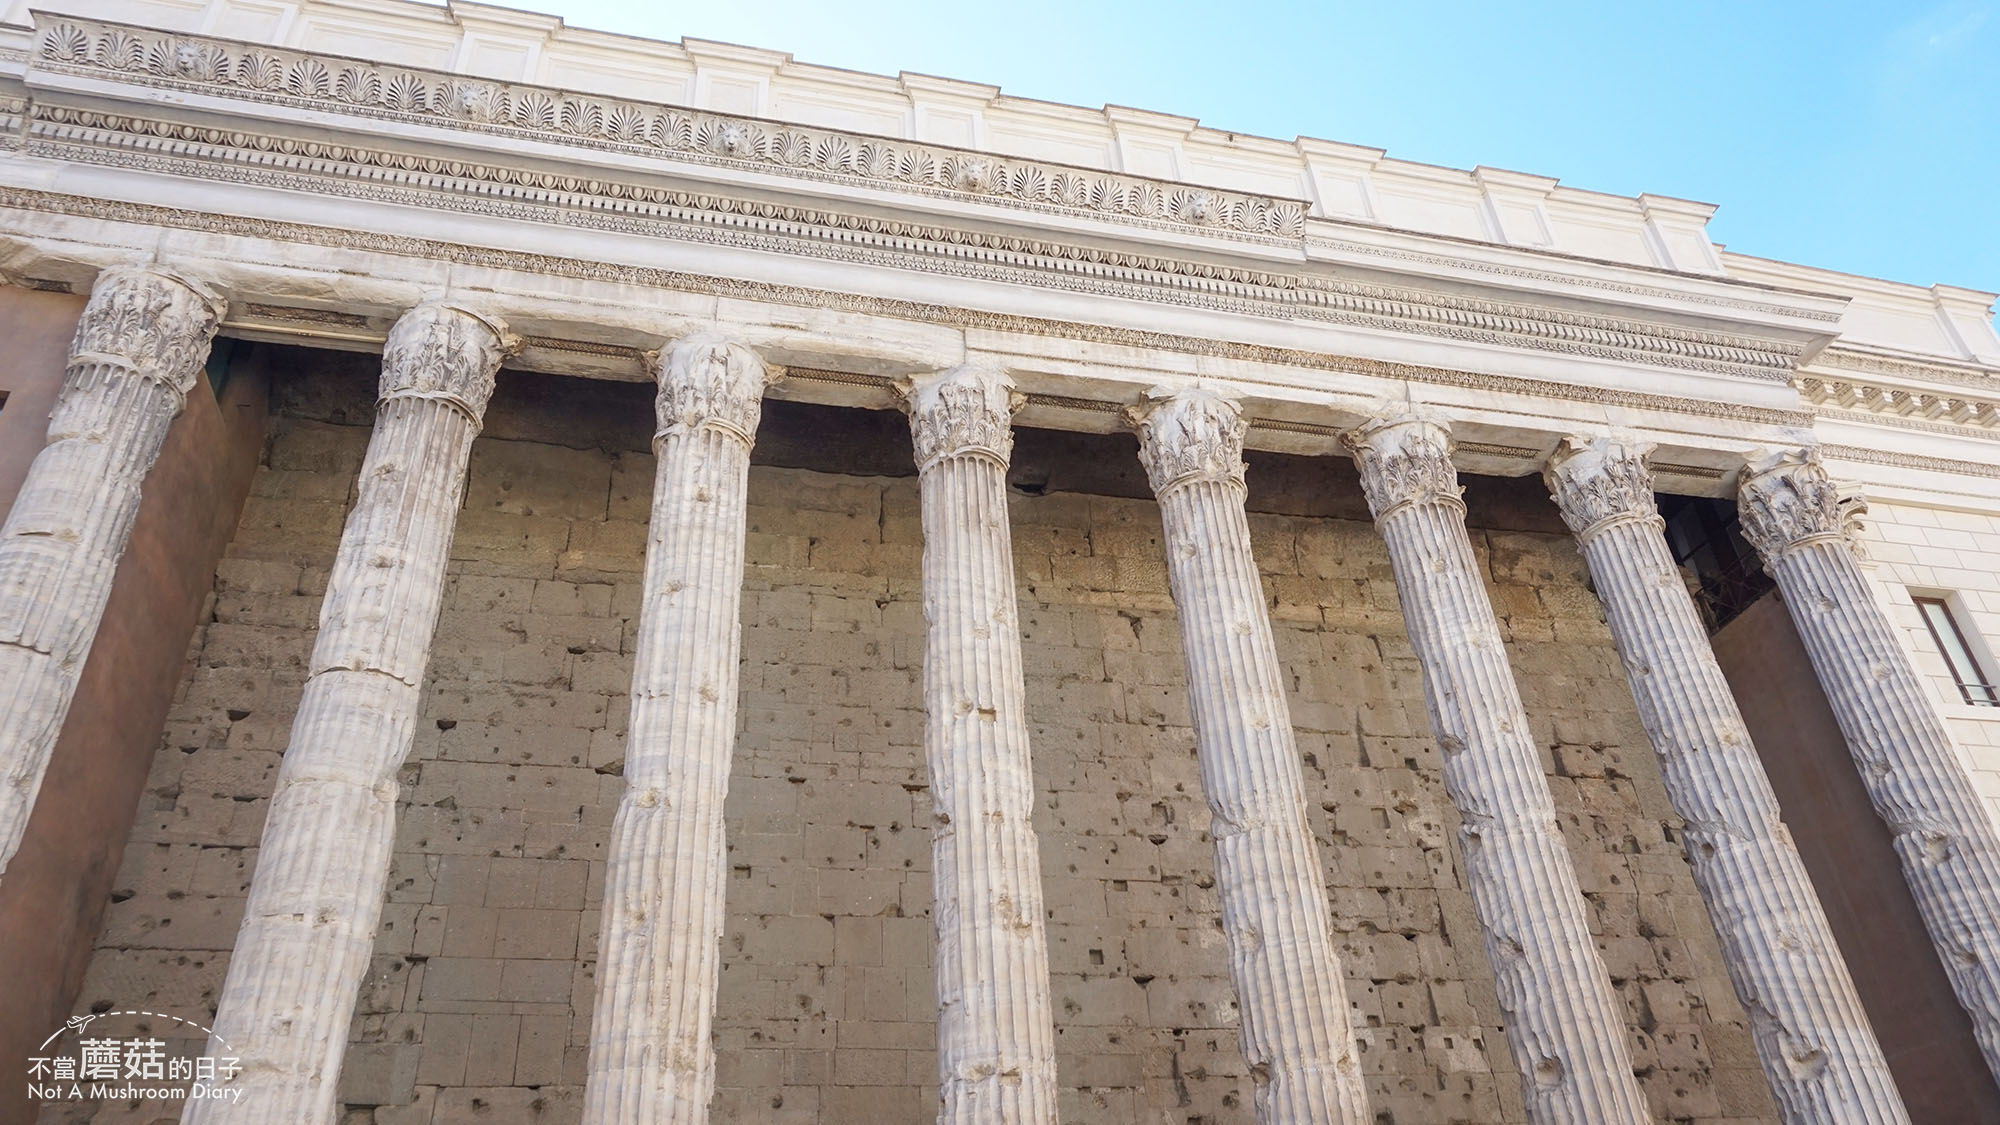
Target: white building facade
{"type": "Point", "coordinates": [471, 192]}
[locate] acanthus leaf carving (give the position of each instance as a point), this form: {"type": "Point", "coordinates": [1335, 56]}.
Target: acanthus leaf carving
{"type": "Point", "coordinates": [707, 379]}
{"type": "Point", "coordinates": [1189, 433]}
{"type": "Point", "coordinates": [968, 410]}
{"type": "Point", "coordinates": [1599, 481]}
{"type": "Point", "coordinates": [442, 352]}
{"type": "Point", "coordinates": [1785, 500]}
{"type": "Point", "coordinates": [151, 321]}
{"type": "Point", "coordinates": [1405, 458]}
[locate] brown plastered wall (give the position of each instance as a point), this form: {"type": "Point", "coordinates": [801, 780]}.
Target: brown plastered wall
{"type": "Point", "coordinates": [1847, 850]}
{"type": "Point", "coordinates": [35, 330]}
{"type": "Point", "coordinates": [53, 899]}
{"type": "Point", "coordinates": [477, 1005]}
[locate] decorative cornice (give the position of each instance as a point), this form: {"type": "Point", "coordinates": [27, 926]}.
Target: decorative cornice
{"type": "Point", "coordinates": [1904, 407]}
{"type": "Point", "coordinates": [1847, 358]}
{"type": "Point", "coordinates": [443, 353]}
{"type": "Point", "coordinates": [1189, 434]}
{"type": "Point", "coordinates": [152, 322]}
{"type": "Point", "coordinates": [13, 110]}
{"type": "Point", "coordinates": [1600, 482]}
{"type": "Point", "coordinates": [1911, 461]}
{"type": "Point", "coordinates": [1405, 460]}
{"type": "Point", "coordinates": [967, 411]}
{"type": "Point", "coordinates": [359, 88]}
{"type": "Point", "coordinates": [66, 133]}
{"type": "Point", "coordinates": [1397, 253]}
{"type": "Point", "coordinates": [837, 300]}
{"type": "Point", "coordinates": [1786, 501]}
{"type": "Point", "coordinates": [708, 380]}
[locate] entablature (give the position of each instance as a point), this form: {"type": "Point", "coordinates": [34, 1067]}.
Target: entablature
{"type": "Point", "coordinates": [1337, 180]}
{"type": "Point", "coordinates": [221, 112]}
{"type": "Point", "coordinates": [601, 227]}
{"type": "Point", "coordinates": [342, 288]}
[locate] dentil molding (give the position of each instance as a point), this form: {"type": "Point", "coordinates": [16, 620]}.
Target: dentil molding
{"type": "Point", "coordinates": [314, 163]}
{"type": "Point", "coordinates": [352, 86]}
{"type": "Point", "coordinates": [839, 300]}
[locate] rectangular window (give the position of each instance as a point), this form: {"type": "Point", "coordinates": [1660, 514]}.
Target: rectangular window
{"type": "Point", "coordinates": [1972, 681]}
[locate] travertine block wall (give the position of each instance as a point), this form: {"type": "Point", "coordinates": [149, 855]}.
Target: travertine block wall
{"type": "Point", "coordinates": [477, 1007]}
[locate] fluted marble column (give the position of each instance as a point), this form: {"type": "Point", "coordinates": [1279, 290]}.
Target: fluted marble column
{"type": "Point", "coordinates": [1267, 872]}
{"type": "Point", "coordinates": [1564, 1023]}
{"type": "Point", "coordinates": [1812, 1034]}
{"type": "Point", "coordinates": [316, 896]}
{"type": "Point", "coordinates": [138, 350]}
{"type": "Point", "coordinates": [996, 1031]}
{"type": "Point", "coordinates": [651, 1055]}
{"type": "Point", "coordinates": [1943, 834]}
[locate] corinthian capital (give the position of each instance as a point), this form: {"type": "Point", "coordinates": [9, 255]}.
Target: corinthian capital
{"type": "Point", "coordinates": [1785, 499]}
{"type": "Point", "coordinates": [1405, 459]}
{"type": "Point", "coordinates": [968, 410]}
{"type": "Point", "coordinates": [1189, 434]}
{"type": "Point", "coordinates": [706, 379]}
{"type": "Point", "coordinates": [1599, 481]}
{"type": "Point", "coordinates": [442, 352]}
{"type": "Point", "coordinates": [151, 321]}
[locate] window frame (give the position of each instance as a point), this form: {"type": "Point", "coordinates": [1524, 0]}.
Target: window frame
{"type": "Point", "coordinates": [1975, 689]}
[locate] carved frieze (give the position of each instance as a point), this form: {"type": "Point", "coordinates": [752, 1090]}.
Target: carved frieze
{"type": "Point", "coordinates": [11, 111]}
{"type": "Point", "coordinates": [1513, 270]}
{"type": "Point", "coordinates": [1963, 372]}
{"type": "Point", "coordinates": [968, 410]}
{"type": "Point", "coordinates": [1904, 407]}
{"type": "Point", "coordinates": [707, 379]}
{"type": "Point", "coordinates": [1250, 356]}
{"type": "Point", "coordinates": [353, 86]}
{"type": "Point", "coordinates": [424, 180]}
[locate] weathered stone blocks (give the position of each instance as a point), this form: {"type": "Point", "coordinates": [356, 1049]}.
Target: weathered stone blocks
{"type": "Point", "coordinates": [818, 756]}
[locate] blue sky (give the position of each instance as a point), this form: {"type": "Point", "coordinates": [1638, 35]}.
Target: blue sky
{"type": "Point", "coordinates": [1862, 137]}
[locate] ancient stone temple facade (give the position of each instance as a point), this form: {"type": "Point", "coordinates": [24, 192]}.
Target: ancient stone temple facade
{"type": "Point", "coordinates": [550, 577]}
